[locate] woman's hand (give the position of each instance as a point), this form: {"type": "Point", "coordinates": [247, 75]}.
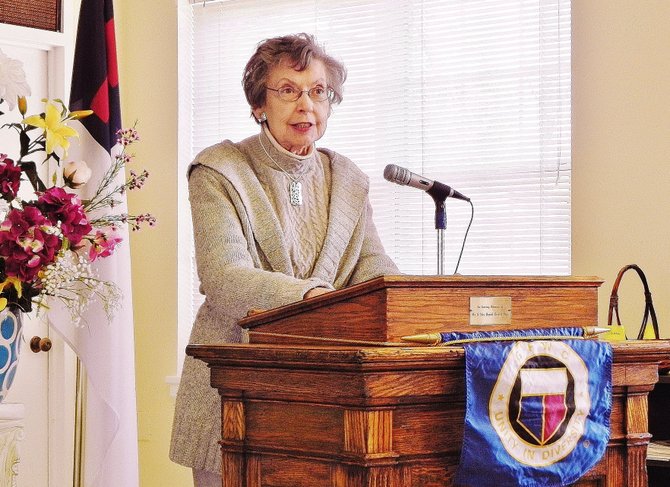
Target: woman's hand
{"type": "Point", "coordinates": [317, 291]}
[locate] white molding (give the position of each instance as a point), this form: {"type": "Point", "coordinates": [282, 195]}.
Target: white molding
{"type": "Point", "coordinates": [29, 37]}
{"type": "Point", "coordinates": [185, 271]}
{"type": "Point", "coordinates": [12, 417]}
{"type": "Point", "coordinates": [173, 382]}
{"type": "Point", "coordinates": [11, 411]}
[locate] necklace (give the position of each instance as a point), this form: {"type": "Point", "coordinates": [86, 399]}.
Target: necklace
{"type": "Point", "coordinates": [294, 187]}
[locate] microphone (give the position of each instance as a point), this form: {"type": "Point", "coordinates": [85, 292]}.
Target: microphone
{"type": "Point", "coordinates": [436, 189]}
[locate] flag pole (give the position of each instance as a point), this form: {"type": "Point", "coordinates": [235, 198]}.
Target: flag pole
{"type": "Point", "coordinates": [79, 423]}
{"type": "Point", "coordinates": [106, 450]}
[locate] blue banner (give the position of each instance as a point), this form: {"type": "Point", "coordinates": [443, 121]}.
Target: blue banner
{"type": "Point", "coordinates": [537, 412]}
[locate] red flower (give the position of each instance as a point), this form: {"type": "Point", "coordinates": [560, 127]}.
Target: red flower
{"type": "Point", "coordinates": [102, 245]}
{"type": "Point", "coordinates": [10, 178]}
{"type": "Point", "coordinates": [60, 206]}
{"type": "Point", "coordinates": [28, 243]}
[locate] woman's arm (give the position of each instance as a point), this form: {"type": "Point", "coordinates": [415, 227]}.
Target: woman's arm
{"type": "Point", "coordinates": [373, 261]}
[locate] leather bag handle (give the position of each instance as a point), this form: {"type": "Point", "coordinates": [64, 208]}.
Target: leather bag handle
{"type": "Point", "coordinates": [648, 308]}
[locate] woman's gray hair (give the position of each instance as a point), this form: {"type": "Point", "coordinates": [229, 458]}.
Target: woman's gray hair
{"type": "Point", "coordinates": [299, 50]}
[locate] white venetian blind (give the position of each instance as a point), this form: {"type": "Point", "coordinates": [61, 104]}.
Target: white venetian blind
{"type": "Point", "coordinates": [474, 93]}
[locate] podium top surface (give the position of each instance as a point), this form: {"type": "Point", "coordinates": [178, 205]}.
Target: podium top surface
{"type": "Point", "coordinates": [350, 357]}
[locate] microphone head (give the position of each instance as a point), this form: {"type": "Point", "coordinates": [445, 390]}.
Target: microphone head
{"type": "Point", "coordinates": [396, 174]}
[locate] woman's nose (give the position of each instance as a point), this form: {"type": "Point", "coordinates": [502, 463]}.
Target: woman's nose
{"type": "Point", "coordinates": [304, 101]}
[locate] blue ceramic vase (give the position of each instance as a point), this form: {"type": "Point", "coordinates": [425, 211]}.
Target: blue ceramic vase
{"type": "Point", "coordinates": [10, 346]}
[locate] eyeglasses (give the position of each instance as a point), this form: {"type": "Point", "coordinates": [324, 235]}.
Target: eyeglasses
{"type": "Point", "coordinates": [288, 93]}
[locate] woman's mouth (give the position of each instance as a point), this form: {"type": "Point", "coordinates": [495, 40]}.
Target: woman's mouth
{"type": "Point", "coordinates": [304, 126]}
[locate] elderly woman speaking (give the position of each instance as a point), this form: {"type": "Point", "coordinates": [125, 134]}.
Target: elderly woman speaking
{"type": "Point", "coordinates": [275, 220]}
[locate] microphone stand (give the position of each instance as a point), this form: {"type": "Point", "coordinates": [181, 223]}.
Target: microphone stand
{"type": "Point", "coordinates": [439, 196]}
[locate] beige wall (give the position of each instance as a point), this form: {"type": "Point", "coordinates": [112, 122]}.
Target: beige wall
{"type": "Point", "coordinates": [147, 50]}
{"type": "Point", "coordinates": [621, 149]}
{"type": "Point", "coordinates": [621, 154]}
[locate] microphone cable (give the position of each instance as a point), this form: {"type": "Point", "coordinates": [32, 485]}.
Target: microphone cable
{"type": "Point", "coordinates": [465, 237]}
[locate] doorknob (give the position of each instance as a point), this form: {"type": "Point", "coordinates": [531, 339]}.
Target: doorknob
{"type": "Point", "coordinates": [38, 344]}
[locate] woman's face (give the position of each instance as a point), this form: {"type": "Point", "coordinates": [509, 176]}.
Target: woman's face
{"type": "Point", "coordinates": [296, 125]}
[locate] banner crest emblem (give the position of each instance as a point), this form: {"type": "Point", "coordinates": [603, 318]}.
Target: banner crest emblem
{"type": "Point", "coordinates": [543, 406]}
{"type": "Point", "coordinates": [540, 401]}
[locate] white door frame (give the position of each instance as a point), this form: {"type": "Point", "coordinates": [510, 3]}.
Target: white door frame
{"type": "Point", "coordinates": [59, 47]}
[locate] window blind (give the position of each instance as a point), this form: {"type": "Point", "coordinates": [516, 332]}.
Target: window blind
{"type": "Point", "coordinates": [474, 94]}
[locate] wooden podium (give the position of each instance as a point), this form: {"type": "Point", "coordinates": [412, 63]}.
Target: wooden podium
{"type": "Point", "coordinates": [347, 415]}
{"type": "Point", "coordinates": [386, 308]}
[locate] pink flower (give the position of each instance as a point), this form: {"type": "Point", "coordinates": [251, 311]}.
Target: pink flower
{"type": "Point", "coordinates": [60, 206]}
{"type": "Point", "coordinates": [127, 136]}
{"type": "Point", "coordinates": [27, 243]}
{"type": "Point", "coordinates": [76, 174]}
{"type": "Point", "coordinates": [10, 178]}
{"type": "Point", "coordinates": [102, 245]}
{"type": "Point", "coordinates": [136, 181]}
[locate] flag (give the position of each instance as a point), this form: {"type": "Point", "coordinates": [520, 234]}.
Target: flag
{"type": "Point", "coordinates": [537, 412]}
{"type": "Point", "coordinates": [95, 76]}
{"type": "Point", "coordinates": [106, 349]}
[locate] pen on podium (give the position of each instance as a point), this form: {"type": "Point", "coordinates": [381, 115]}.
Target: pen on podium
{"type": "Point", "coordinates": [437, 338]}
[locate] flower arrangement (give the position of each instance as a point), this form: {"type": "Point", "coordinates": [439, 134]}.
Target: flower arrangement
{"type": "Point", "coordinates": [49, 234]}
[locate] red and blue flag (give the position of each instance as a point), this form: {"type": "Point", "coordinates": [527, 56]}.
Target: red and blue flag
{"type": "Point", "coordinates": [95, 75]}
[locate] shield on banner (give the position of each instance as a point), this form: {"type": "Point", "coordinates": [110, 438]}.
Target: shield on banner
{"type": "Point", "coordinates": [542, 402]}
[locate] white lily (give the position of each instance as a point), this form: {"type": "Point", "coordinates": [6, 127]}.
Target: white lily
{"type": "Point", "coordinates": [13, 82]}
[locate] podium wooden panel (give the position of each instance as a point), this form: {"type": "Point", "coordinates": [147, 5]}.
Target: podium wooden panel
{"type": "Point", "coordinates": [308, 416]}
{"type": "Point", "coordinates": [388, 307]}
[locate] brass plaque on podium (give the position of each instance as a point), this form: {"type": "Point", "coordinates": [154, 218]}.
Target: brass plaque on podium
{"type": "Point", "coordinates": [490, 310]}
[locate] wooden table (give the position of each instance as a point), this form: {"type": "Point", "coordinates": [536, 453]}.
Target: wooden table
{"type": "Point", "coordinates": [309, 416]}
